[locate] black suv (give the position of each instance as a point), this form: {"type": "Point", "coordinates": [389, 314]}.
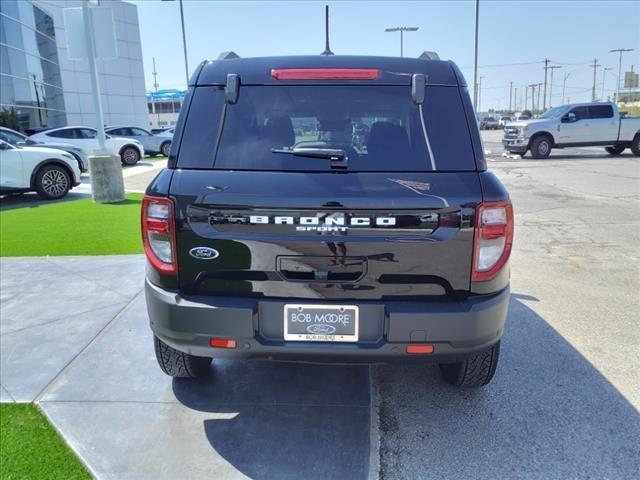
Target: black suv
{"type": "Point", "coordinates": [329, 209]}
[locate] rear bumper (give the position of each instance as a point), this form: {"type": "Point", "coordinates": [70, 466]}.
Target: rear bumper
{"type": "Point", "coordinates": [456, 329]}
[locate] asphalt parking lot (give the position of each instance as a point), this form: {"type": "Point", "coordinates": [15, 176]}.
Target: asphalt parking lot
{"type": "Point", "coordinates": [564, 402]}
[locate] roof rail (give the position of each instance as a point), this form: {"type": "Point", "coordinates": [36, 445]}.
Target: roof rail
{"type": "Point", "coordinates": [427, 55]}
{"type": "Point", "coordinates": [228, 55]}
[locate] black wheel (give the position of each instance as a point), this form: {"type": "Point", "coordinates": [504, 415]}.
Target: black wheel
{"type": "Point", "coordinates": [475, 371]}
{"type": "Point", "coordinates": [179, 364]}
{"type": "Point", "coordinates": [165, 148]}
{"type": "Point", "coordinates": [129, 155]}
{"type": "Point", "coordinates": [541, 147]}
{"type": "Point", "coordinates": [635, 145]}
{"type": "Point", "coordinates": [52, 182]}
{"type": "Point", "coordinates": [617, 150]}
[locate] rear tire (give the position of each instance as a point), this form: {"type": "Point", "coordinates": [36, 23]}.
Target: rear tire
{"type": "Point", "coordinates": [129, 155]}
{"type": "Point", "coordinates": [475, 371]}
{"type": "Point", "coordinates": [179, 364]}
{"type": "Point", "coordinates": [617, 150]}
{"type": "Point", "coordinates": [541, 147]}
{"type": "Point", "coordinates": [635, 145]}
{"type": "Point", "coordinates": [52, 182]}
{"type": "Point", "coordinates": [165, 149]}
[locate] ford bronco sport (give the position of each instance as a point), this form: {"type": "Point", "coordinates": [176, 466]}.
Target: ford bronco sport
{"type": "Point", "coordinates": [328, 209]}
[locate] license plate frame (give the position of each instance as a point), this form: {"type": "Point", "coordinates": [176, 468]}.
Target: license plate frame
{"type": "Point", "coordinates": [328, 329]}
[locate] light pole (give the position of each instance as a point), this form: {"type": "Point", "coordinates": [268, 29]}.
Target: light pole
{"type": "Point", "coordinates": [621, 51]}
{"type": "Point", "coordinates": [604, 71]}
{"type": "Point", "coordinates": [401, 30]}
{"type": "Point", "coordinates": [184, 40]}
{"type": "Point", "coordinates": [552, 68]}
{"type": "Point", "coordinates": [480, 93]}
{"type": "Point", "coordinates": [155, 89]}
{"type": "Point", "coordinates": [475, 61]}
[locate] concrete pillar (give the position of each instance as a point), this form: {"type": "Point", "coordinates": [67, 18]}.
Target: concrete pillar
{"type": "Point", "coordinates": [107, 184]}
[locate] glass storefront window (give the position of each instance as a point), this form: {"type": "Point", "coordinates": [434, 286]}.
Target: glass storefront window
{"type": "Point", "coordinates": [31, 86]}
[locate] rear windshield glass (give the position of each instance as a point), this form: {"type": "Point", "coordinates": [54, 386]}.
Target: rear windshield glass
{"type": "Point", "coordinates": [377, 127]}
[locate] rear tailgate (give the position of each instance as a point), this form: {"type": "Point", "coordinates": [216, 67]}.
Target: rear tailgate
{"type": "Point", "coordinates": [325, 235]}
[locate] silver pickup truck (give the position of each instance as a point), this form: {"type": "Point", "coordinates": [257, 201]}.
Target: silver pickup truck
{"type": "Point", "coordinates": [574, 125]}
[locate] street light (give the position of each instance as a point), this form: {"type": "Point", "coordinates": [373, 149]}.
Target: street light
{"type": "Point", "coordinates": [401, 30]}
{"type": "Point", "coordinates": [621, 51]}
{"type": "Point", "coordinates": [184, 40]}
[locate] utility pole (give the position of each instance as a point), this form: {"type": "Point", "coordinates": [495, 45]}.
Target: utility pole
{"type": "Point", "coordinates": [564, 84]}
{"type": "Point", "coordinates": [515, 100]}
{"type": "Point", "coordinates": [510, 94]}
{"type": "Point", "coordinates": [475, 61]}
{"type": "Point", "coordinates": [604, 71]}
{"type": "Point", "coordinates": [401, 30]}
{"type": "Point", "coordinates": [526, 96]}
{"type": "Point", "coordinates": [546, 67]}
{"type": "Point", "coordinates": [552, 68]}
{"type": "Point", "coordinates": [155, 89]}
{"type": "Point", "coordinates": [595, 68]}
{"type": "Point", "coordinates": [538, 100]}
{"type": "Point", "coordinates": [621, 51]}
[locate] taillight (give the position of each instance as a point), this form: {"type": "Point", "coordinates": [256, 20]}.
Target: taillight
{"type": "Point", "coordinates": [493, 237]}
{"type": "Point", "coordinates": [158, 234]}
{"type": "Point", "coordinates": [325, 73]}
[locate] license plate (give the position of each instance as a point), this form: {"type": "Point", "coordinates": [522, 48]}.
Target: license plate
{"type": "Point", "coordinates": [321, 323]}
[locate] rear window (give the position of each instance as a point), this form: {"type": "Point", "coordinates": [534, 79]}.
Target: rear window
{"type": "Point", "coordinates": [600, 111]}
{"type": "Point", "coordinates": [378, 127]}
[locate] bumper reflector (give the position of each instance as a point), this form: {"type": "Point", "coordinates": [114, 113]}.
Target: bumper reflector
{"type": "Point", "coordinates": [420, 349]}
{"type": "Point", "coordinates": [223, 343]}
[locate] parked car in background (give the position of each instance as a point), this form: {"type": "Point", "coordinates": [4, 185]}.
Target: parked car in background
{"type": "Point", "coordinates": [18, 139]}
{"type": "Point", "coordinates": [155, 131]}
{"type": "Point", "coordinates": [523, 117]}
{"type": "Point", "coordinates": [505, 119]}
{"type": "Point", "coordinates": [489, 123]}
{"type": "Point", "coordinates": [153, 144]}
{"type": "Point", "coordinates": [48, 171]}
{"type": "Point", "coordinates": [129, 150]}
{"type": "Point", "coordinates": [574, 125]}
{"type": "Point", "coordinates": [168, 133]}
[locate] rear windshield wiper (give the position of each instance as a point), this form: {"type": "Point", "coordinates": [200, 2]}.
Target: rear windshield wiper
{"type": "Point", "coordinates": [337, 156]}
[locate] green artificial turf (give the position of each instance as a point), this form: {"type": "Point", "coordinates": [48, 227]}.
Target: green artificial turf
{"type": "Point", "coordinates": [30, 448]}
{"type": "Point", "coordinates": [76, 227]}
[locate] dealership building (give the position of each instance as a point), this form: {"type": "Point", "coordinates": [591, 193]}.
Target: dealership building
{"type": "Point", "coordinates": [42, 87]}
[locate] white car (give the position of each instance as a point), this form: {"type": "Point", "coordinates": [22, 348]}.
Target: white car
{"type": "Point", "coordinates": [129, 150]}
{"type": "Point", "coordinates": [48, 171]}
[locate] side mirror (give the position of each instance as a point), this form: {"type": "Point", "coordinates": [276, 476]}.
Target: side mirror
{"type": "Point", "coordinates": [569, 118]}
{"type": "Point", "coordinates": [232, 89]}
{"type": "Point", "coordinates": [4, 145]}
{"type": "Point", "coordinates": [418, 82]}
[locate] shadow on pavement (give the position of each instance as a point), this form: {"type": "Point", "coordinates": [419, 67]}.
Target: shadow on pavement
{"type": "Point", "coordinates": [547, 414]}
{"type": "Point", "coordinates": [32, 200]}
{"type": "Point", "coordinates": [285, 420]}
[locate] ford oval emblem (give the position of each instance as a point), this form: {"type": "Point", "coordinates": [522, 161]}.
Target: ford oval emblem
{"type": "Point", "coordinates": [204, 253]}
{"type": "Point", "coordinates": [321, 329]}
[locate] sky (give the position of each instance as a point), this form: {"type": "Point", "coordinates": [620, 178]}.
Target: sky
{"type": "Point", "coordinates": [571, 34]}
